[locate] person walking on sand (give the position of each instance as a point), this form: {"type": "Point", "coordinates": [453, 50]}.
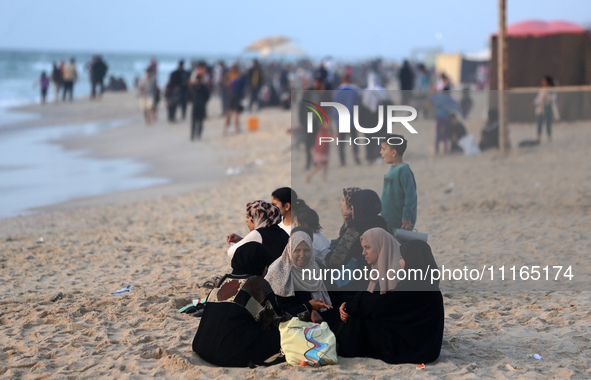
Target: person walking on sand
{"type": "Point", "coordinates": [219, 72]}
{"type": "Point", "coordinates": [316, 94]}
{"type": "Point", "coordinates": [70, 75]}
{"type": "Point", "coordinates": [348, 95]}
{"type": "Point", "coordinates": [199, 96]}
{"type": "Point", "coordinates": [179, 82]}
{"type": "Point", "coordinates": [44, 85]}
{"type": "Point", "coordinates": [236, 84]}
{"type": "Point", "coordinates": [406, 77]}
{"type": "Point", "coordinates": [153, 67]}
{"type": "Point", "coordinates": [147, 88]}
{"type": "Point", "coordinates": [374, 97]}
{"type": "Point", "coordinates": [97, 69]}
{"type": "Point", "coordinates": [321, 153]}
{"type": "Point", "coordinates": [56, 79]}
{"type": "Point", "coordinates": [444, 107]}
{"type": "Point", "coordinates": [546, 107]}
{"type": "Point", "coordinates": [256, 78]}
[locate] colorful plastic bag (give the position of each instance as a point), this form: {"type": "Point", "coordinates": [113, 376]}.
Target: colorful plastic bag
{"type": "Point", "coordinates": [311, 343]}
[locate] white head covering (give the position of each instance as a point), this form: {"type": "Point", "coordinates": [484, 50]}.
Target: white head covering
{"type": "Point", "coordinates": [285, 278]}
{"type": "Point", "coordinates": [374, 94]}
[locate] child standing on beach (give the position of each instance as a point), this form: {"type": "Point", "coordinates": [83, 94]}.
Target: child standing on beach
{"type": "Point", "coordinates": [44, 84]}
{"type": "Point", "coordinates": [445, 106]}
{"type": "Point", "coordinates": [146, 88]}
{"type": "Point", "coordinates": [399, 195]}
{"type": "Point", "coordinates": [546, 107]}
{"type": "Point", "coordinates": [320, 155]}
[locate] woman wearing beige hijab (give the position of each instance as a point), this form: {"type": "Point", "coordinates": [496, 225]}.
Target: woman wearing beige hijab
{"type": "Point", "coordinates": [395, 321]}
{"type": "Point", "coordinates": [382, 252]}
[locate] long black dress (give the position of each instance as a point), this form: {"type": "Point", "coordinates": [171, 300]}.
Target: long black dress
{"type": "Point", "coordinates": [396, 327]}
{"type": "Point", "coordinates": [234, 330]}
{"type": "Point", "coordinates": [400, 326]}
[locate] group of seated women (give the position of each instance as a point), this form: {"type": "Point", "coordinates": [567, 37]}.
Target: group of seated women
{"type": "Point", "coordinates": [397, 321]}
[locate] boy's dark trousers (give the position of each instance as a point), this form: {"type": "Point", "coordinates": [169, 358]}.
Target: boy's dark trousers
{"type": "Point", "coordinates": [347, 136]}
{"type": "Point", "coordinates": [196, 128]}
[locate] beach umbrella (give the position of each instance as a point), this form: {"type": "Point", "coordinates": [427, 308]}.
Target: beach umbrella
{"type": "Point", "coordinates": [288, 48]}
{"type": "Point", "coordinates": [275, 45]}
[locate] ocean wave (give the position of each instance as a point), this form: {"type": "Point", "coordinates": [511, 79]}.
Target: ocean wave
{"type": "Point", "coordinates": [40, 66]}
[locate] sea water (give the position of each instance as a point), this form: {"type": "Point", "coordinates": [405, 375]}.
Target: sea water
{"type": "Point", "coordinates": [20, 70]}
{"type": "Point", "coordinates": [36, 172]}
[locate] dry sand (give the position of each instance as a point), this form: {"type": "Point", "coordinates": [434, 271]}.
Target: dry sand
{"type": "Point", "coordinates": [531, 208]}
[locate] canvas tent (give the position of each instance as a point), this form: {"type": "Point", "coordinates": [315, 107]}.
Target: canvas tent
{"type": "Point", "coordinates": [535, 49]}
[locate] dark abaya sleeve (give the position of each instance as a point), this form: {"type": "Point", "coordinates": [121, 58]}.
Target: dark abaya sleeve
{"type": "Point", "coordinates": [296, 304]}
{"type": "Point", "coordinates": [345, 249]}
{"type": "Point", "coordinates": [363, 304]}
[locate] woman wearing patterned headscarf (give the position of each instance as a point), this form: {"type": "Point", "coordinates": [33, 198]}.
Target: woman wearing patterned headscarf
{"type": "Point", "coordinates": [262, 219]}
{"type": "Point", "coordinates": [345, 204]}
{"type": "Point", "coordinates": [297, 292]}
{"type": "Point", "coordinates": [400, 326]}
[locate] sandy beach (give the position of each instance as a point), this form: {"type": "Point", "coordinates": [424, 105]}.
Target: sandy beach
{"type": "Point", "coordinates": [531, 208]}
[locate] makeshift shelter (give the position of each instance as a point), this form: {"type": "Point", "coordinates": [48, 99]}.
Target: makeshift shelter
{"type": "Point", "coordinates": [461, 69]}
{"type": "Point", "coordinates": [536, 49]}
{"type": "Point", "coordinates": [451, 65]}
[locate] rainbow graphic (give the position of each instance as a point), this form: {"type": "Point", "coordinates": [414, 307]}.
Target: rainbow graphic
{"type": "Point", "coordinates": [315, 110]}
{"type": "Point", "coordinates": [313, 353]}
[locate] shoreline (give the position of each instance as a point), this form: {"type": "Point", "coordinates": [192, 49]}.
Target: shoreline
{"type": "Point", "coordinates": [114, 144]}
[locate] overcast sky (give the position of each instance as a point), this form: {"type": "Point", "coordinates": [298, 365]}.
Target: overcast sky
{"type": "Point", "coordinates": [347, 29]}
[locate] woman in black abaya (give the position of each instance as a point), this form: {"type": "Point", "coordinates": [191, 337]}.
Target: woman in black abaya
{"type": "Point", "coordinates": [238, 324]}
{"type": "Point", "coordinates": [400, 325]}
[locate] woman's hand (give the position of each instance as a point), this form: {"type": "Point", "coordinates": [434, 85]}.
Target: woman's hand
{"type": "Point", "coordinates": [318, 304]}
{"type": "Point", "coordinates": [233, 238]}
{"type": "Point", "coordinates": [344, 315]}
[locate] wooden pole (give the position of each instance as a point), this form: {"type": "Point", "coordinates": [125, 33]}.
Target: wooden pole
{"type": "Point", "coordinates": [502, 78]}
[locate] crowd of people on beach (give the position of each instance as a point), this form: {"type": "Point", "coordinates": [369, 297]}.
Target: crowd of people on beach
{"type": "Point", "coordinates": [260, 84]}
{"type": "Point", "coordinates": [397, 320]}
{"type": "Point", "coordinates": [64, 76]}
{"type": "Point", "coordinates": [256, 85]}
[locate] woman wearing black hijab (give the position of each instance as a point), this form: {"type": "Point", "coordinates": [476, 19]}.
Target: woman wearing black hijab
{"type": "Point", "coordinates": [237, 328]}
{"type": "Point", "coordinates": [400, 326]}
{"type": "Point", "coordinates": [366, 207]}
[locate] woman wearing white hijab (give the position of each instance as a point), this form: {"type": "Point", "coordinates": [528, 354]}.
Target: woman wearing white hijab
{"type": "Point", "coordinates": [374, 94]}
{"type": "Point", "coordinates": [296, 293]}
